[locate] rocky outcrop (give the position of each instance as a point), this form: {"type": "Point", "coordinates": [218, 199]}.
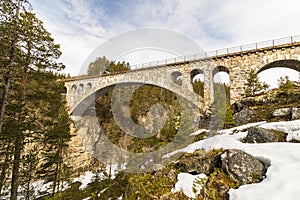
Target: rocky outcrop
{"type": "Point", "coordinates": [238, 165]}
{"type": "Point", "coordinates": [261, 135]}
{"type": "Point", "coordinates": [292, 113]}
{"type": "Point", "coordinates": [77, 156]}
{"type": "Point", "coordinates": [242, 167]}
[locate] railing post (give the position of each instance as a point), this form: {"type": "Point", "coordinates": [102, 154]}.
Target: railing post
{"type": "Point", "coordinates": [273, 42]}
{"type": "Point", "coordinates": [216, 52]}
{"type": "Point", "coordinates": [292, 40]}
{"type": "Point", "coordinates": [255, 45]}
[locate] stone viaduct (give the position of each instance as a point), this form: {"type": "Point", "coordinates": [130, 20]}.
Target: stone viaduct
{"type": "Point", "coordinates": [177, 74]}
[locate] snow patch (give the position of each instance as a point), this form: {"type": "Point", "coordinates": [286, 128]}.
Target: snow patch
{"type": "Point", "coordinates": [283, 175]}
{"type": "Point", "coordinates": [84, 179]}
{"type": "Point", "coordinates": [186, 184]}
{"type": "Point", "coordinates": [199, 132]}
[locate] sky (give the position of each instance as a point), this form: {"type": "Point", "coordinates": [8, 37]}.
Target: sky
{"type": "Point", "coordinates": [80, 26]}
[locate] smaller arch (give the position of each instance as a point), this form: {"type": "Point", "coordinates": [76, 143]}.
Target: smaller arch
{"type": "Point", "coordinates": [74, 88]}
{"type": "Point", "coordinates": [197, 80]}
{"type": "Point", "coordinates": [73, 93]}
{"type": "Point", "coordinates": [177, 77]}
{"type": "Point", "coordinates": [89, 86]}
{"type": "Point", "coordinates": [221, 84]}
{"type": "Point", "coordinates": [65, 90]}
{"type": "Point", "coordinates": [220, 69]}
{"type": "Point", "coordinates": [195, 72]}
{"type": "Point", "coordinates": [81, 86]}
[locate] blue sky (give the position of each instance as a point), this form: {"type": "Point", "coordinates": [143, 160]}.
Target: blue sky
{"type": "Point", "coordinates": [82, 25]}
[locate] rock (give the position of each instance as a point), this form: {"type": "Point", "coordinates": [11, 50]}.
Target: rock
{"type": "Point", "coordinates": [198, 164]}
{"type": "Point", "coordinates": [242, 117]}
{"type": "Point", "coordinates": [261, 135]}
{"type": "Point", "coordinates": [237, 107]}
{"type": "Point", "coordinates": [281, 112]}
{"type": "Point", "coordinates": [242, 166]}
{"type": "Point", "coordinates": [295, 113]}
{"type": "Point", "coordinates": [172, 175]}
{"type": "Point", "coordinates": [158, 167]}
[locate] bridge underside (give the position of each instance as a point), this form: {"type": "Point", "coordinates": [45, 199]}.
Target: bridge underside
{"type": "Point", "coordinates": [122, 94]}
{"type": "Point", "coordinates": [291, 64]}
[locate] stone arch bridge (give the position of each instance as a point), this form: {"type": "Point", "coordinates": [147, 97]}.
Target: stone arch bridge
{"type": "Point", "coordinates": [177, 74]}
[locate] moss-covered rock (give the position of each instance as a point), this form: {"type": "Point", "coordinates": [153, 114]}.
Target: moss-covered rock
{"type": "Point", "coordinates": [261, 135]}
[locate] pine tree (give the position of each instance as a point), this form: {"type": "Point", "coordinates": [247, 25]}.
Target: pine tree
{"type": "Point", "coordinates": [198, 87]}
{"type": "Point", "coordinates": [253, 85]}
{"type": "Point", "coordinates": [31, 53]}
{"type": "Point", "coordinates": [285, 87]}
{"type": "Point", "coordinates": [9, 31]}
{"type": "Point", "coordinates": [56, 129]}
{"type": "Point", "coordinates": [103, 66]}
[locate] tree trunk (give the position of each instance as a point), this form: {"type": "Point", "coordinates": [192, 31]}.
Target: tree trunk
{"type": "Point", "coordinates": [5, 166]}
{"type": "Point", "coordinates": [16, 168]}
{"type": "Point", "coordinates": [29, 181]}
{"type": "Point", "coordinates": [10, 64]}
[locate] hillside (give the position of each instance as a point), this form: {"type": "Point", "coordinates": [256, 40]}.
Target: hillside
{"type": "Point", "coordinates": [217, 165]}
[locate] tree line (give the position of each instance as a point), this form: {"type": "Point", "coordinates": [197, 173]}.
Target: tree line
{"type": "Point", "coordinates": [34, 121]}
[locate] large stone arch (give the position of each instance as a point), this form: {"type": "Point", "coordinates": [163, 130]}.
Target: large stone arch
{"type": "Point", "coordinates": [291, 64]}
{"type": "Point", "coordinates": [173, 87]}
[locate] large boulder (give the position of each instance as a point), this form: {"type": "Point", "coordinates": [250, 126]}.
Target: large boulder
{"type": "Point", "coordinates": [261, 135]}
{"type": "Point", "coordinates": [242, 167]}
{"type": "Point", "coordinates": [242, 117]}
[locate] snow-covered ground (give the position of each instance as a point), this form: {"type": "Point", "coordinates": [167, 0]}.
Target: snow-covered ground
{"type": "Point", "coordinates": [283, 176]}
{"type": "Point", "coordinates": [282, 179]}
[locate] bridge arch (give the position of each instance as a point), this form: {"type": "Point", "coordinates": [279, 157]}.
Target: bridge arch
{"type": "Point", "coordinates": [197, 80]}
{"type": "Point", "coordinates": [88, 96]}
{"type": "Point", "coordinates": [176, 77]}
{"type": "Point", "coordinates": [221, 85]}
{"type": "Point", "coordinates": [89, 85]}
{"type": "Point", "coordinates": [73, 93]}
{"type": "Point", "coordinates": [196, 72]}
{"type": "Point", "coordinates": [74, 88]}
{"type": "Point", "coordinates": [81, 86]}
{"type": "Point", "coordinates": [220, 68]}
{"type": "Point", "coordinates": [291, 64]}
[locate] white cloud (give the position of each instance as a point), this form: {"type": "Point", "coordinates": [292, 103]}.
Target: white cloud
{"type": "Point", "coordinates": [80, 26]}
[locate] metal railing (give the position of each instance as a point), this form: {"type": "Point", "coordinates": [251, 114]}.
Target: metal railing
{"type": "Point", "coordinates": [220, 52]}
